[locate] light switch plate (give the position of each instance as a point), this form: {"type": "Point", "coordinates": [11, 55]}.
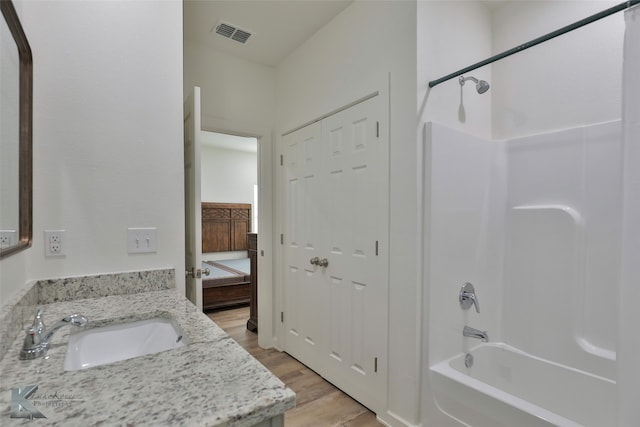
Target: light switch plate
{"type": "Point", "coordinates": [141, 240]}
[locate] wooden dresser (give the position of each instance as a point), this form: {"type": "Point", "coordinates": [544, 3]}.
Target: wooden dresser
{"type": "Point", "coordinates": [252, 323]}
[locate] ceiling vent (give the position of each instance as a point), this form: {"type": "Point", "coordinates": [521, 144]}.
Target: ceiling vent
{"type": "Point", "coordinates": [232, 32]}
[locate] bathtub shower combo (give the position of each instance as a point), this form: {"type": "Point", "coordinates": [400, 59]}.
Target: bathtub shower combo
{"type": "Point", "coordinates": [546, 274]}
{"type": "Point", "coordinates": [532, 226]}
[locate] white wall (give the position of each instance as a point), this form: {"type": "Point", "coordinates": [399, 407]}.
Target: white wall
{"type": "Point", "coordinates": [232, 88]}
{"type": "Point", "coordinates": [228, 176]}
{"type": "Point", "coordinates": [451, 36]}
{"type": "Point", "coordinates": [107, 137]}
{"type": "Point", "coordinates": [345, 60]}
{"type": "Point", "coordinates": [572, 80]}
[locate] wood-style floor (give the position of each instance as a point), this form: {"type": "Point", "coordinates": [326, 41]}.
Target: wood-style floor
{"type": "Point", "coordinates": [318, 403]}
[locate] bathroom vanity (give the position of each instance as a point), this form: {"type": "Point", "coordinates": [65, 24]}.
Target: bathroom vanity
{"type": "Point", "coordinates": [209, 381]}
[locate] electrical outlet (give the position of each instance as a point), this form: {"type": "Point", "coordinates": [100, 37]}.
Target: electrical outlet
{"type": "Point", "coordinates": [141, 240]}
{"type": "Point", "coordinates": [54, 243]}
{"type": "Point", "coordinates": [8, 238]}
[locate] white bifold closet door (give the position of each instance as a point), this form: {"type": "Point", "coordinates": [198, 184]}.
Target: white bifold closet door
{"type": "Point", "coordinates": [335, 315]}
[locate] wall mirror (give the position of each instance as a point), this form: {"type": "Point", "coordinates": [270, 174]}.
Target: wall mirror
{"type": "Point", "coordinates": [16, 84]}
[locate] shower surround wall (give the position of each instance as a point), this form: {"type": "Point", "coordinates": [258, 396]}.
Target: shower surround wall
{"type": "Point", "coordinates": [629, 345]}
{"type": "Point", "coordinates": [534, 224]}
{"type": "Point", "coordinates": [563, 246]}
{"type": "Point", "coordinates": [465, 234]}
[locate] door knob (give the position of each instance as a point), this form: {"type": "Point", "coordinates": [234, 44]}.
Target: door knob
{"type": "Point", "coordinates": [323, 262]}
{"type": "Point", "coordinates": [315, 261]}
{"type": "Point", "coordinates": [196, 273]}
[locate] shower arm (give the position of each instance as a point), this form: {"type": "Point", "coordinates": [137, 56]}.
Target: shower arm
{"type": "Point", "coordinates": [463, 79]}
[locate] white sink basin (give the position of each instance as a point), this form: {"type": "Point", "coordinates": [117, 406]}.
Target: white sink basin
{"type": "Point", "coordinates": [109, 344]}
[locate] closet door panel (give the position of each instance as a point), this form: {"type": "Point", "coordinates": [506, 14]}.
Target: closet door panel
{"type": "Point", "coordinates": [353, 179]}
{"type": "Point", "coordinates": [303, 317]}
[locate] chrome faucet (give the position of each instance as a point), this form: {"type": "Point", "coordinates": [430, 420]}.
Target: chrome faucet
{"type": "Point", "coordinates": [36, 342]}
{"type": "Point", "coordinates": [467, 297]}
{"type": "Point", "coordinates": [475, 333]}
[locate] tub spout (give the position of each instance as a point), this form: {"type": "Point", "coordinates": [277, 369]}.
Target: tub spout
{"type": "Point", "coordinates": [475, 333]}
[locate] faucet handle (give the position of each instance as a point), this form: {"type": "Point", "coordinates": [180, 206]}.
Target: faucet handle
{"type": "Point", "coordinates": [34, 332]}
{"type": "Point", "coordinates": [38, 321]}
{"type": "Point", "coordinates": [75, 320]}
{"type": "Point", "coordinates": [33, 336]}
{"type": "Point", "coordinates": [467, 297]}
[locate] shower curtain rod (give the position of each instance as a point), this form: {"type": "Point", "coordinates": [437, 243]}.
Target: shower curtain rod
{"type": "Point", "coordinates": [549, 36]}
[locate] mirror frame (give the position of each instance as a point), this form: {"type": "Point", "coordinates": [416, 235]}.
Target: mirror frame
{"type": "Point", "coordinates": [25, 168]}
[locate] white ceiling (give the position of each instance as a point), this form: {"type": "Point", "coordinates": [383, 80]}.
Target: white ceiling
{"type": "Point", "coordinates": [277, 27]}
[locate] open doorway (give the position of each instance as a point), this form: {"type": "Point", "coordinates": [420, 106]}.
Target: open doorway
{"type": "Point", "coordinates": [229, 175]}
{"type": "Point", "coordinates": [262, 299]}
{"type": "Point", "coordinates": [229, 200]}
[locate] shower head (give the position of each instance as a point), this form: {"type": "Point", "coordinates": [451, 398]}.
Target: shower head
{"type": "Point", "coordinates": [481, 85]}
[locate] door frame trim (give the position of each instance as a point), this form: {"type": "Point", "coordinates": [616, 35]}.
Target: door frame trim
{"type": "Point", "coordinates": [383, 90]}
{"type": "Point", "coordinates": [266, 224]}
{"type": "Point", "coordinates": [331, 113]}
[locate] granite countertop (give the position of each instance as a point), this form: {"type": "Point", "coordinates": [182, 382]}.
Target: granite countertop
{"type": "Point", "coordinates": [211, 381]}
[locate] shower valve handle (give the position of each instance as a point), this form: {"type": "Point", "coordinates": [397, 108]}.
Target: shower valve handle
{"type": "Point", "coordinates": [467, 297]}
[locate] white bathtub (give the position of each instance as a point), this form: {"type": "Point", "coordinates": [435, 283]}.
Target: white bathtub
{"type": "Point", "coordinates": [507, 387]}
